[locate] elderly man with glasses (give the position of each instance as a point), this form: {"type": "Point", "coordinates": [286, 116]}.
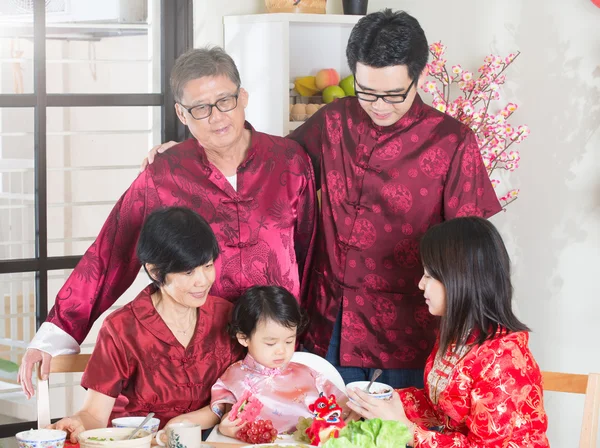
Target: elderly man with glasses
{"type": "Point", "coordinates": [256, 191]}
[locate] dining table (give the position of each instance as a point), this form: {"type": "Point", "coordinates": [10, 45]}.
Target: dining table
{"type": "Point", "coordinates": [223, 444]}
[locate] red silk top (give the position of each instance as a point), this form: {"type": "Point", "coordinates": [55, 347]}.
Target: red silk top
{"type": "Point", "coordinates": [265, 229]}
{"type": "Point", "coordinates": [138, 360]}
{"type": "Point", "coordinates": [382, 188]}
{"type": "Point", "coordinates": [490, 398]}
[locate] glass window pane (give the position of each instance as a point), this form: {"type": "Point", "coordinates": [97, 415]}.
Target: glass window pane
{"type": "Point", "coordinates": [65, 394]}
{"type": "Point", "coordinates": [94, 154]}
{"type": "Point", "coordinates": [17, 216]}
{"type": "Point", "coordinates": [106, 46]}
{"type": "Point", "coordinates": [17, 327]}
{"type": "Point", "coordinates": [16, 47]}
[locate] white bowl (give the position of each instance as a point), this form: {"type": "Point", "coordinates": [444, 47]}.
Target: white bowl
{"type": "Point", "coordinates": [41, 438]}
{"type": "Point", "coordinates": [114, 438]}
{"type": "Point", "coordinates": [377, 390]}
{"type": "Point", "coordinates": [134, 422]}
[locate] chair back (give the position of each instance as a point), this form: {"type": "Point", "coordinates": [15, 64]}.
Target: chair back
{"type": "Point", "coordinates": [588, 385]}
{"type": "Point", "coordinates": [322, 366]}
{"type": "Point", "coordinates": [59, 364]}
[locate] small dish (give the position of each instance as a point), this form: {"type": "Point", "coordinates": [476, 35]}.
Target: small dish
{"type": "Point", "coordinates": [114, 438]}
{"type": "Point", "coordinates": [134, 422]}
{"type": "Point", "coordinates": [41, 438]}
{"type": "Point", "coordinates": [378, 390]}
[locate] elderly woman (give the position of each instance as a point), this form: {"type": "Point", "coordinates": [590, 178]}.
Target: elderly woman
{"type": "Point", "coordinates": [163, 351]}
{"type": "Point", "coordinates": [255, 190]}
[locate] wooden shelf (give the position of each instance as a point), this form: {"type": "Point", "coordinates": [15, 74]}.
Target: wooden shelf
{"type": "Point", "coordinates": [271, 50]}
{"type": "Point", "coordinates": [334, 19]}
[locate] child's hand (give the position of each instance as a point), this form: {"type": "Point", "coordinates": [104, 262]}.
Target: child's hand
{"type": "Point", "coordinates": [230, 428]}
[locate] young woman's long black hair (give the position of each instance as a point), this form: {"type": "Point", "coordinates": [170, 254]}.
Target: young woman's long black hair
{"type": "Point", "coordinates": [468, 256]}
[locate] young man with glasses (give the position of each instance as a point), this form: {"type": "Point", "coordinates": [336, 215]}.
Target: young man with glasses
{"type": "Point", "coordinates": [389, 167]}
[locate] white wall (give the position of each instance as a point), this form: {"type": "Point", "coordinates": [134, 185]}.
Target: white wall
{"type": "Point", "coordinates": [553, 230]}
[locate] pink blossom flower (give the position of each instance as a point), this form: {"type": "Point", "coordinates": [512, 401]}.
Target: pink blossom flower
{"type": "Point", "coordinates": [473, 108]}
{"type": "Point", "coordinates": [441, 107]}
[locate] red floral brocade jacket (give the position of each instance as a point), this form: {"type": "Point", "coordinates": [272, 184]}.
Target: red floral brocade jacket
{"type": "Point", "coordinates": [382, 188]}
{"type": "Point", "coordinates": [490, 397]}
{"type": "Point", "coordinates": [265, 228]}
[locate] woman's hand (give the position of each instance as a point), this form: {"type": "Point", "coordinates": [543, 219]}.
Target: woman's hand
{"type": "Point", "coordinates": [370, 407]}
{"type": "Point", "coordinates": [72, 425]}
{"type": "Point", "coordinates": [230, 428]}
{"type": "Point", "coordinates": [158, 149]}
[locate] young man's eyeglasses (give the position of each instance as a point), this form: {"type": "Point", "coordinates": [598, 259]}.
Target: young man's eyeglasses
{"type": "Point", "coordinates": [396, 98]}
{"type": "Point", "coordinates": [202, 111]}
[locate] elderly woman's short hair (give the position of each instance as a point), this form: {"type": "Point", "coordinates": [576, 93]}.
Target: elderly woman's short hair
{"type": "Point", "coordinates": [201, 62]}
{"type": "Point", "coordinates": [175, 239]}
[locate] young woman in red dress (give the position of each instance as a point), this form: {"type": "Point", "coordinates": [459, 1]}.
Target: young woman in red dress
{"type": "Point", "coordinates": [483, 387]}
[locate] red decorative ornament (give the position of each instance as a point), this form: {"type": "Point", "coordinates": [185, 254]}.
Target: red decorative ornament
{"type": "Point", "coordinates": [596, 2]}
{"type": "Point", "coordinates": [327, 421]}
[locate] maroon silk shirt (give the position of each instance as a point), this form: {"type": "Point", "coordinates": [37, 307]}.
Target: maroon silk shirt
{"type": "Point", "coordinates": [138, 360]}
{"type": "Point", "coordinates": [265, 229]}
{"type": "Point", "coordinates": [382, 188]}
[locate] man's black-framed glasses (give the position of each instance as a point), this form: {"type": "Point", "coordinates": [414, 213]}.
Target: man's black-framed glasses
{"type": "Point", "coordinates": [202, 111]}
{"type": "Point", "coordinates": [395, 98]}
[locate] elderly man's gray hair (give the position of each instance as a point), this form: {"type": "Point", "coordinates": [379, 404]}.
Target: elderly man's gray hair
{"type": "Point", "coordinates": [201, 62]}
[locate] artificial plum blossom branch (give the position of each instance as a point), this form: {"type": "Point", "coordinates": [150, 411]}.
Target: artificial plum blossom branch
{"type": "Point", "coordinates": [473, 108]}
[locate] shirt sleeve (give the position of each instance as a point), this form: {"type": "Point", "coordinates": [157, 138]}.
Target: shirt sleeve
{"type": "Point", "coordinates": [468, 190]}
{"type": "Point", "coordinates": [109, 266]}
{"type": "Point", "coordinates": [220, 395]}
{"type": "Point", "coordinates": [107, 371]}
{"type": "Point", "coordinates": [418, 407]}
{"type": "Point", "coordinates": [309, 135]}
{"type": "Point", "coordinates": [54, 341]}
{"type": "Point", "coordinates": [306, 228]}
{"type": "Point", "coordinates": [505, 403]}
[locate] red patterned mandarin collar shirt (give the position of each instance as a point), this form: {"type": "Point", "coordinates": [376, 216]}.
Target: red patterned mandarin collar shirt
{"type": "Point", "coordinates": [382, 188]}
{"type": "Point", "coordinates": [265, 228]}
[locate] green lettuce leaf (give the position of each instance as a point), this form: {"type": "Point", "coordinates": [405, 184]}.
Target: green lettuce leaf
{"type": "Point", "coordinates": [374, 433]}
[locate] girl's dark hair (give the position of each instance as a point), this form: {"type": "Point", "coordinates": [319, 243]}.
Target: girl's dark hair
{"type": "Point", "coordinates": [468, 256]}
{"type": "Point", "coordinates": [261, 303]}
{"type": "Point", "coordinates": [387, 38]}
{"type": "Point", "coordinates": [175, 239]}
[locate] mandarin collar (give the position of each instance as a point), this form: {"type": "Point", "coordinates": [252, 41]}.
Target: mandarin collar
{"type": "Point", "coordinates": [254, 143]}
{"type": "Point", "coordinates": [144, 311]}
{"type": "Point", "coordinates": [408, 119]}
{"type": "Point", "coordinates": [249, 363]}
